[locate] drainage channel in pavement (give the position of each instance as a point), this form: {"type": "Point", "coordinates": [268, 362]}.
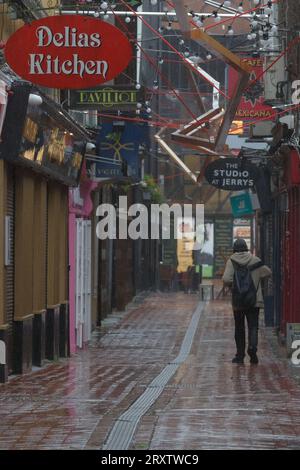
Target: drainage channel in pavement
{"type": "Point", "coordinates": [124, 428]}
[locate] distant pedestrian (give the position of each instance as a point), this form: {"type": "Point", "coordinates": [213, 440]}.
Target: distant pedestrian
{"type": "Point", "coordinates": [197, 274]}
{"type": "Point", "coordinates": [243, 273]}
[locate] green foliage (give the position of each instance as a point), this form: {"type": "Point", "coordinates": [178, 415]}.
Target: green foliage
{"type": "Point", "coordinates": [154, 190]}
{"type": "Point", "coordinates": [113, 136]}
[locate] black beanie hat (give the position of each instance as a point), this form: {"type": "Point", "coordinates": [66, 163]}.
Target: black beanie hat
{"type": "Point", "coordinates": [240, 245]}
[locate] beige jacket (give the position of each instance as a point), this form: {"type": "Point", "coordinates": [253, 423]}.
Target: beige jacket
{"type": "Point", "coordinates": [257, 275]}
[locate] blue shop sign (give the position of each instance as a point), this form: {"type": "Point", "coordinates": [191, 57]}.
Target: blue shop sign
{"type": "Point", "coordinates": [120, 142]}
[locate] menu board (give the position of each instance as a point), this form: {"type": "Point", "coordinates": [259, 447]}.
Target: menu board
{"type": "Point", "coordinates": [185, 243]}
{"type": "Point", "coordinates": [223, 243]}
{"type": "Point", "coordinates": [242, 229]}
{"type": "Point", "coordinates": [169, 248]}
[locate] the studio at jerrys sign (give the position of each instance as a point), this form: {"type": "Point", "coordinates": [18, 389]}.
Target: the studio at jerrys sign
{"type": "Point", "coordinates": [69, 51]}
{"type": "Point", "coordinates": [231, 174]}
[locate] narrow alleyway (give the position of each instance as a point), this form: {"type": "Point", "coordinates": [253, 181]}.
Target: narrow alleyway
{"type": "Point", "coordinates": [206, 403]}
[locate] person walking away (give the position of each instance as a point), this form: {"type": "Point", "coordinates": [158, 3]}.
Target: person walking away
{"type": "Point", "coordinates": [244, 273]}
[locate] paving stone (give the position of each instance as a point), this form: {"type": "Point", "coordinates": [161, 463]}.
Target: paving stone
{"type": "Point", "coordinates": [209, 403]}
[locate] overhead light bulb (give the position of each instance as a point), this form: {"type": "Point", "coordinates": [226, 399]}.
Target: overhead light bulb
{"type": "Point", "coordinates": [195, 58]}
{"type": "Point", "coordinates": [230, 31]}
{"type": "Point", "coordinates": [104, 6]}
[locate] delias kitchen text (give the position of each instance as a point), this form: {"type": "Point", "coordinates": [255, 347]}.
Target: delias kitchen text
{"type": "Point", "coordinates": [46, 64]}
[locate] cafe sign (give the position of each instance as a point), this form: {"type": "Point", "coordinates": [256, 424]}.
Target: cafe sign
{"type": "Point", "coordinates": [231, 174]}
{"type": "Point", "coordinates": [110, 98]}
{"type": "Point", "coordinates": [68, 51]}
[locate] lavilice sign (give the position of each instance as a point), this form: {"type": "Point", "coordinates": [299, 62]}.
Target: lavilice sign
{"type": "Point", "coordinates": [108, 97]}
{"type": "Point", "coordinates": [231, 174]}
{"type": "Point", "coordinates": [68, 51]}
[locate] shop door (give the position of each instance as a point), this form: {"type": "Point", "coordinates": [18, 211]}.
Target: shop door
{"type": "Point", "coordinates": [83, 282]}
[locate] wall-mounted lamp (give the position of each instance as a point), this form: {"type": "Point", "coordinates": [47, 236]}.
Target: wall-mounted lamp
{"type": "Point", "coordinates": [35, 100]}
{"type": "Point", "coordinates": [90, 146]}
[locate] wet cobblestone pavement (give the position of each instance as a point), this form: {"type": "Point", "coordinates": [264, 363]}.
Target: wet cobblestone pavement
{"type": "Point", "coordinates": [209, 403]}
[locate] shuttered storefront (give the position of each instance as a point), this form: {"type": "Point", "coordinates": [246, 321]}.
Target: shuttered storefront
{"type": "Point", "coordinates": [291, 260]}
{"type": "Point", "coordinates": [266, 244]}
{"type": "Point", "coordinates": [9, 268]}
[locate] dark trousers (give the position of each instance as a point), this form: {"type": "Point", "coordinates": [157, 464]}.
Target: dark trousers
{"type": "Point", "coordinates": [240, 335]}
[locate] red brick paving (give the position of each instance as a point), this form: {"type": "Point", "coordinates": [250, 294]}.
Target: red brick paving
{"type": "Point", "coordinates": [209, 404]}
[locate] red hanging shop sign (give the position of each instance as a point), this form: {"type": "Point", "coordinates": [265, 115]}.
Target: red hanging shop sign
{"type": "Point", "coordinates": [68, 51]}
{"type": "Point", "coordinates": [252, 105]}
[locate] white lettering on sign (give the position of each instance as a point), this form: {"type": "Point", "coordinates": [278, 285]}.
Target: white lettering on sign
{"type": "Point", "coordinates": [46, 64]}
{"type": "Point", "coordinates": [69, 38]}
{"type": "Point", "coordinates": [41, 64]}
{"type": "Point", "coordinates": [296, 353]}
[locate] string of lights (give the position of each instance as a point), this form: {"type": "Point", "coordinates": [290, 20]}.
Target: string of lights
{"type": "Point", "coordinates": [158, 71]}
{"type": "Point", "coordinates": [194, 68]}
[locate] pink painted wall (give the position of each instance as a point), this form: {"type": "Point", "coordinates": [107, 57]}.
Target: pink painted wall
{"type": "Point", "coordinates": [84, 211]}
{"type": "Point", "coordinates": [72, 279]}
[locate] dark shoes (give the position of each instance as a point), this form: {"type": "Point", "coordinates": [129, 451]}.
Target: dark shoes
{"type": "Point", "coordinates": [237, 360]}
{"type": "Point", "coordinates": [240, 360]}
{"type": "Point", "coordinates": [253, 359]}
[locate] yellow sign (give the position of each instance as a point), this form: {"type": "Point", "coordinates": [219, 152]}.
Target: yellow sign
{"type": "Point", "coordinates": [237, 128]}
{"type": "Point", "coordinates": [184, 254]}
{"type": "Point", "coordinates": [185, 243]}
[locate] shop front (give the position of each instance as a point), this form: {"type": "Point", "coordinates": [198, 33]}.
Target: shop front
{"type": "Point", "coordinates": [285, 235]}
{"type": "Point", "coordinates": [41, 156]}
